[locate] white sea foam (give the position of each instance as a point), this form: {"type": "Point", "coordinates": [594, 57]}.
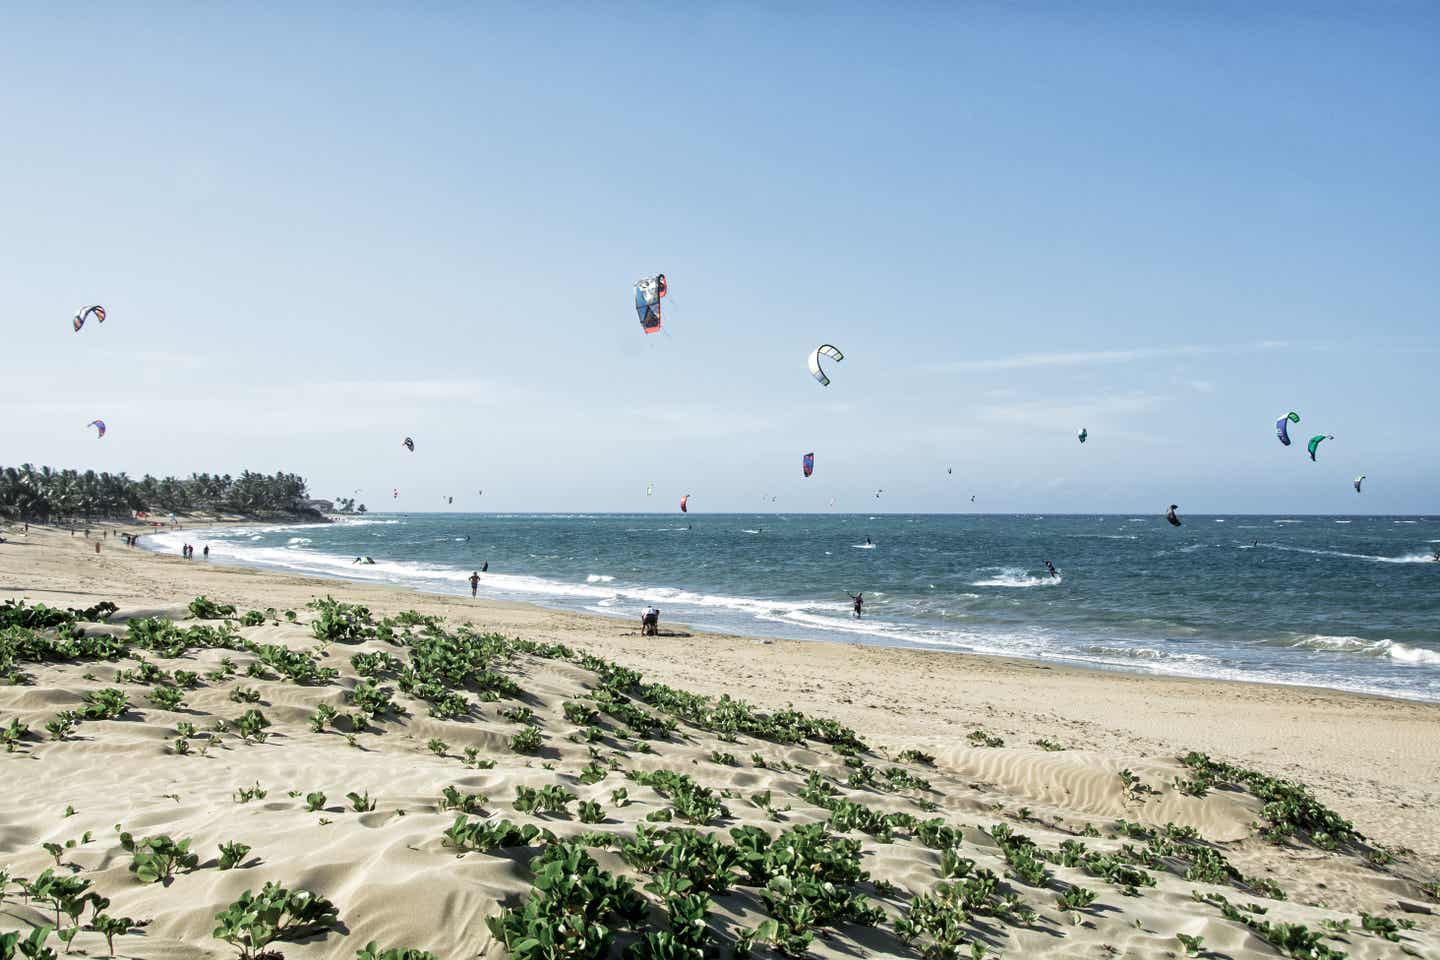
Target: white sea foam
{"type": "Point", "coordinates": [1399, 652]}
{"type": "Point", "coordinates": [1016, 577]}
{"type": "Point", "coordinates": [1407, 558]}
{"type": "Point", "coordinates": [598, 578]}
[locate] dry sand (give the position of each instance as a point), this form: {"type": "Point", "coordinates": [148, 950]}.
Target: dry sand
{"type": "Point", "coordinates": [1375, 761]}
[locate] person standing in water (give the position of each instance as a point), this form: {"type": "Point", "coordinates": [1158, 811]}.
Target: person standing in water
{"type": "Point", "coordinates": [485, 567]}
{"type": "Point", "coordinates": [858, 601]}
{"type": "Point", "coordinates": [474, 582]}
{"type": "Point", "coordinates": [1051, 567]}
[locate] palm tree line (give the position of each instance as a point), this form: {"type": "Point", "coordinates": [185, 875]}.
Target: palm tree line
{"type": "Point", "coordinates": [42, 494]}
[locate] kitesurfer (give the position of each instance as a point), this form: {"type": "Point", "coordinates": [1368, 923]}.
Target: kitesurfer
{"type": "Point", "coordinates": [858, 601]}
{"type": "Point", "coordinates": [868, 543]}
{"type": "Point", "coordinates": [485, 567]}
{"type": "Point", "coordinates": [474, 583]}
{"type": "Point", "coordinates": [1051, 567]}
{"type": "Point", "coordinates": [1170, 515]}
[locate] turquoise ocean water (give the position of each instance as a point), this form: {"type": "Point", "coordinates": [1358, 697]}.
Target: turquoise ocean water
{"type": "Point", "coordinates": [1345, 602]}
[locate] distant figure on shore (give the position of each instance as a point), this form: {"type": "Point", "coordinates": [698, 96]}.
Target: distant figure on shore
{"type": "Point", "coordinates": [207, 551]}
{"type": "Point", "coordinates": [485, 567]}
{"type": "Point", "coordinates": [650, 622]}
{"type": "Point", "coordinates": [1051, 567]}
{"type": "Point", "coordinates": [474, 583]}
{"type": "Point", "coordinates": [370, 561]}
{"type": "Point", "coordinates": [355, 561]}
{"type": "Point", "coordinates": [858, 601]}
{"type": "Point", "coordinates": [97, 547]}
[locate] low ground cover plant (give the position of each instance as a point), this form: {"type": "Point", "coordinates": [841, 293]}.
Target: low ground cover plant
{"type": "Point", "coordinates": [256, 920]}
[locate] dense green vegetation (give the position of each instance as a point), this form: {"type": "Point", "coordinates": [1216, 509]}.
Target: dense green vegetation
{"type": "Point", "coordinates": [42, 494]}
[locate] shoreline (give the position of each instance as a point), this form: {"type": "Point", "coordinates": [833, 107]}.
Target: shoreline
{"type": "Point", "coordinates": [813, 635]}
{"type": "Point", "coordinates": [1377, 758]}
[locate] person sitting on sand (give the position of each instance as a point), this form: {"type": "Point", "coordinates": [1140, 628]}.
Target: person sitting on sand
{"type": "Point", "coordinates": [859, 601]}
{"type": "Point", "coordinates": [474, 582]}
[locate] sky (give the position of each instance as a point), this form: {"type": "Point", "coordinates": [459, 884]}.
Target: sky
{"type": "Point", "coordinates": [318, 231]}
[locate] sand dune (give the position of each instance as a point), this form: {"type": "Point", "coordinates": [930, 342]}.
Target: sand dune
{"type": "Point", "coordinates": [393, 879]}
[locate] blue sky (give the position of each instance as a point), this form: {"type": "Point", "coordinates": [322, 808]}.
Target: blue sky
{"type": "Point", "coordinates": [319, 232]}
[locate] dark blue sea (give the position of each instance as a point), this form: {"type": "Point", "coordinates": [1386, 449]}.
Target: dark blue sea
{"type": "Point", "coordinates": [1345, 602]}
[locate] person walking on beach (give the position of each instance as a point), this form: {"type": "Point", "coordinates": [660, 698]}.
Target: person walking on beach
{"type": "Point", "coordinates": [474, 583]}
{"type": "Point", "coordinates": [207, 551]}
{"type": "Point", "coordinates": [858, 599]}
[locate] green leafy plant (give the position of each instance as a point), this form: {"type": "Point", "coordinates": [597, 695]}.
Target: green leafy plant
{"type": "Point", "coordinates": [591, 812]}
{"type": "Point", "coordinates": [323, 714]}
{"type": "Point", "coordinates": [437, 746]}
{"type": "Point", "coordinates": [106, 704]}
{"type": "Point", "coordinates": [1192, 945]}
{"type": "Point", "coordinates": [203, 608]}
{"type": "Point", "coordinates": [549, 799]}
{"type": "Point", "coordinates": [155, 859]}
{"type": "Point", "coordinates": [360, 802]}
{"type": "Point", "coordinates": [109, 927]}
{"type": "Point", "coordinates": [232, 854]}
{"type": "Point", "coordinates": [31, 948]}
{"type": "Point", "coordinates": [252, 618]}
{"type": "Point", "coordinates": [527, 740]}
{"type": "Point", "coordinates": [315, 801]}
{"type": "Point", "coordinates": [916, 756]}
{"type": "Point", "coordinates": [452, 799]}
{"type": "Point", "coordinates": [255, 921]}
{"type": "Point", "coordinates": [167, 698]}
{"type": "Point", "coordinates": [482, 835]}
{"type": "Point", "coordinates": [246, 794]}
{"type": "Point", "coordinates": [1049, 745]}
{"type": "Point", "coordinates": [245, 695]}
{"type": "Point", "coordinates": [980, 737]}
{"type": "Point", "coordinates": [252, 725]}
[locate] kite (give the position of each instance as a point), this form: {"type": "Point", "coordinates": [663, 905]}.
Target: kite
{"type": "Point", "coordinates": [99, 426]}
{"type": "Point", "coordinates": [1359, 480]}
{"type": "Point", "coordinates": [1315, 442]}
{"type": "Point", "coordinates": [878, 492]}
{"type": "Point", "coordinates": [827, 350]}
{"type": "Point", "coordinates": [1282, 426]}
{"type": "Point", "coordinates": [684, 503]}
{"type": "Point", "coordinates": [950, 471]}
{"type": "Point", "coordinates": [449, 499]}
{"type": "Point", "coordinates": [408, 444]}
{"type": "Point", "coordinates": [807, 463]}
{"type": "Point", "coordinates": [1170, 515]}
{"type": "Point", "coordinates": [97, 311]}
{"type": "Point", "coordinates": [1083, 434]}
{"type": "Point", "coordinates": [832, 503]}
{"type": "Point", "coordinates": [650, 488]}
{"type": "Point", "coordinates": [396, 494]}
{"type": "Point", "coordinates": [647, 301]}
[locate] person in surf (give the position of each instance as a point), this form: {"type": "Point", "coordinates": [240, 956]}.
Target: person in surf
{"type": "Point", "coordinates": [1051, 567]}
{"type": "Point", "coordinates": [474, 582]}
{"type": "Point", "coordinates": [857, 601]}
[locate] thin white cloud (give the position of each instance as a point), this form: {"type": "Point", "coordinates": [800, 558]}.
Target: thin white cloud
{"type": "Point", "coordinates": [1090, 358]}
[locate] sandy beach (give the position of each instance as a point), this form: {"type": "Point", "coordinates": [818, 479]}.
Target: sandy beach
{"type": "Point", "coordinates": [973, 726]}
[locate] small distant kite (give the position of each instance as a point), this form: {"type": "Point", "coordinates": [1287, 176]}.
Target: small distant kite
{"type": "Point", "coordinates": [396, 494]}
{"type": "Point", "coordinates": [1359, 480]}
{"type": "Point", "coordinates": [648, 293]}
{"type": "Point", "coordinates": [1282, 426]}
{"type": "Point", "coordinates": [949, 471]}
{"type": "Point", "coordinates": [878, 492]}
{"type": "Point", "coordinates": [832, 503]}
{"type": "Point", "coordinates": [449, 499]}
{"type": "Point", "coordinates": [1083, 435]}
{"type": "Point", "coordinates": [1316, 440]}
{"type": "Point", "coordinates": [96, 311]}
{"type": "Point", "coordinates": [824, 350]}
{"type": "Point", "coordinates": [408, 444]}
{"type": "Point", "coordinates": [685, 503]}
{"type": "Point", "coordinates": [807, 464]}
{"type": "Point", "coordinates": [1170, 515]}
{"type": "Point", "coordinates": [99, 426]}
{"type": "Point", "coordinates": [650, 488]}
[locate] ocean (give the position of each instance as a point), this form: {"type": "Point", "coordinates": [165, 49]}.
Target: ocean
{"type": "Point", "coordinates": [1351, 603]}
